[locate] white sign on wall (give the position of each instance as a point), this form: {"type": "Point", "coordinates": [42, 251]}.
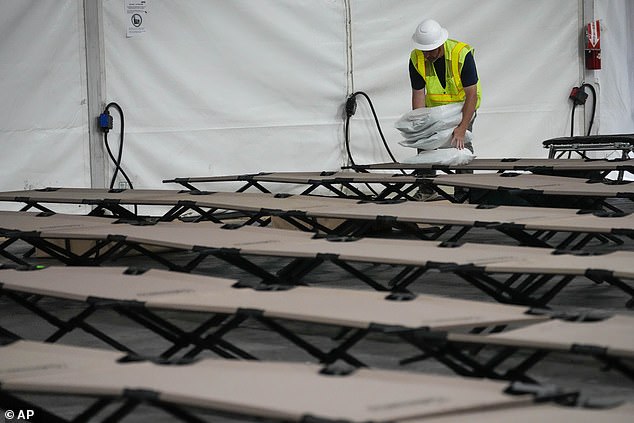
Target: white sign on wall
{"type": "Point", "coordinates": [136, 12]}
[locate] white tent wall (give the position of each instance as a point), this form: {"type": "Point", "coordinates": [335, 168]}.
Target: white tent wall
{"type": "Point", "coordinates": [616, 79]}
{"type": "Point", "coordinates": [216, 87]}
{"type": "Point", "coordinates": [43, 119]}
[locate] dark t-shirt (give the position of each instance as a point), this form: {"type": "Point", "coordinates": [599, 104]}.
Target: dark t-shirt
{"type": "Point", "coordinates": [468, 75]}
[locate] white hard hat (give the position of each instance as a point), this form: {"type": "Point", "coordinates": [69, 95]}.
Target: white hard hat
{"type": "Point", "coordinates": [429, 35]}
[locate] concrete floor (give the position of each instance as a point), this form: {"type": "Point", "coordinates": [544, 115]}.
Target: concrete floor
{"type": "Point", "coordinates": [576, 373]}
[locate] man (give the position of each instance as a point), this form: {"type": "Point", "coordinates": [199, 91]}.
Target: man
{"type": "Point", "coordinates": [443, 71]}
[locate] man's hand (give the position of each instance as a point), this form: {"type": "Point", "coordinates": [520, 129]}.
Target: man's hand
{"type": "Point", "coordinates": [457, 139]}
{"type": "Point", "coordinates": [468, 111]}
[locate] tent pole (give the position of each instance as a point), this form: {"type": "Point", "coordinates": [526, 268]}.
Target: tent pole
{"type": "Point", "coordinates": [95, 84]}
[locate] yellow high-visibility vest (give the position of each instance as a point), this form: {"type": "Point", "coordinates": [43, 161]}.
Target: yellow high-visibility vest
{"type": "Point", "coordinates": [453, 92]}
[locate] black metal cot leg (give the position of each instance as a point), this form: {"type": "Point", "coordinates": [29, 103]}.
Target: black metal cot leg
{"type": "Point", "coordinates": [8, 255]}
{"type": "Point", "coordinates": [92, 411]}
{"type": "Point", "coordinates": [519, 372]}
{"type": "Point", "coordinates": [359, 274]}
{"type": "Point", "coordinates": [126, 408]}
{"type": "Point", "coordinates": [339, 352]}
{"type": "Point", "coordinates": [179, 413]}
{"type": "Point", "coordinates": [65, 327]}
{"type": "Point", "coordinates": [617, 364]}
{"type": "Point", "coordinates": [214, 342]}
{"type": "Point", "coordinates": [194, 334]}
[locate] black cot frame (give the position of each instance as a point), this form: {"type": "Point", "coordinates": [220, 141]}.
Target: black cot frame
{"type": "Point", "coordinates": [478, 357]}
{"type": "Point", "coordinates": [115, 240]}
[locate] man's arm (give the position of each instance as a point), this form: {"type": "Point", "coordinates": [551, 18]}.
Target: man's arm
{"type": "Point", "coordinates": [418, 99]}
{"type": "Point", "coordinates": [418, 87]}
{"type": "Point", "coordinates": [468, 110]}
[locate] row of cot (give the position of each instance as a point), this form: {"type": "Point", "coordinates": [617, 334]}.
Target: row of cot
{"type": "Point", "coordinates": [512, 274]}
{"type": "Point", "coordinates": [448, 330]}
{"type": "Point", "coordinates": [564, 183]}
{"type": "Point", "coordinates": [441, 341]}
{"type": "Point", "coordinates": [450, 222]}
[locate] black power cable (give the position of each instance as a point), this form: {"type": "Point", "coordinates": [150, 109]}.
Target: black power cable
{"type": "Point", "coordinates": [594, 105]}
{"type": "Point", "coordinates": [578, 97]}
{"type": "Point", "coordinates": [572, 119]}
{"type": "Point", "coordinates": [351, 108]}
{"type": "Point", "coordinates": [106, 124]}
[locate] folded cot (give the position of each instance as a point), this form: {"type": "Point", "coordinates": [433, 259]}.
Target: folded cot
{"type": "Point", "coordinates": [522, 275]}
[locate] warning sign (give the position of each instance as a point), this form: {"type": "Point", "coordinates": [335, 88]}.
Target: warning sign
{"type": "Point", "coordinates": [136, 13]}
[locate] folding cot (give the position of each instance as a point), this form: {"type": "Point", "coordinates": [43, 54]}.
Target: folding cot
{"type": "Point", "coordinates": [536, 226]}
{"type": "Point", "coordinates": [261, 390]}
{"type": "Point", "coordinates": [402, 185]}
{"type": "Point", "coordinates": [528, 275]}
{"type": "Point", "coordinates": [580, 145]}
{"type": "Point", "coordinates": [446, 329]}
{"type": "Point", "coordinates": [342, 184]}
{"type": "Point", "coordinates": [536, 189]}
{"type": "Point", "coordinates": [399, 186]}
{"type": "Point", "coordinates": [597, 168]}
{"type": "Point", "coordinates": [536, 165]}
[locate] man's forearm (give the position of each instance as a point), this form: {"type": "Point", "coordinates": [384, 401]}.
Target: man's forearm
{"type": "Point", "coordinates": [418, 99]}
{"type": "Point", "coordinates": [469, 106]}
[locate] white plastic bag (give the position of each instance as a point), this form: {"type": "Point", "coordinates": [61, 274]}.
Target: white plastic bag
{"type": "Point", "coordinates": [418, 120]}
{"type": "Point", "coordinates": [440, 139]}
{"type": "Point", "coordinates": [443, 157]}
{"type": "Point", "coordinates": [431, 129]}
